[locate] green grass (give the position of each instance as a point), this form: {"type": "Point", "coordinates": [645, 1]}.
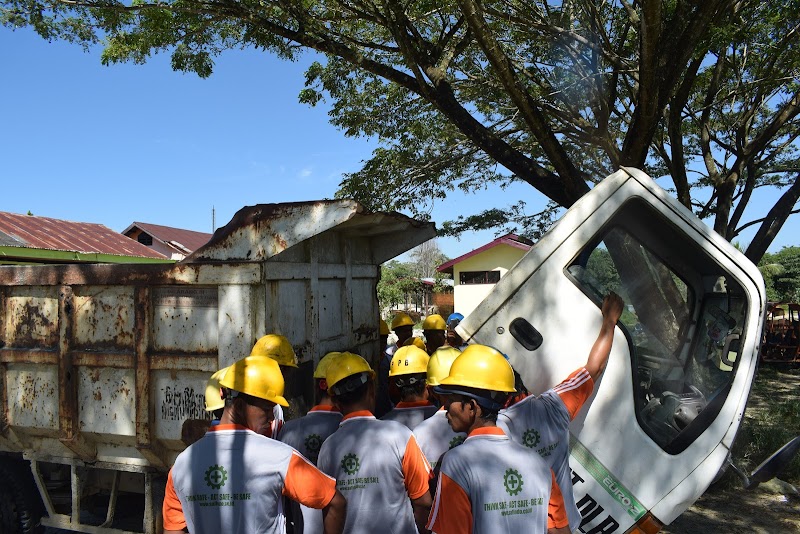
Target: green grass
{"type": "Point", "coordinates": [772, 419]}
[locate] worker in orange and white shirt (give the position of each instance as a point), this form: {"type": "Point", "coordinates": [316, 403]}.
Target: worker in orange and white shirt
{"type": "Point", "coordinates": [377, 464]}
{"type": "Point", "coordinates": [489, 483]}
{"type": "Point", "coordinates": [542, 422]}
{"type": "Point", "coordinates": [435, 435]}
{"type": "Point", "coordinates": [408, 373]}
{"type": "Point", "coordinates": [234, 478]}
{"type": "Point", "coordinates": [307, 433]}
{"type": "Point", "coordinates": [278, 348]}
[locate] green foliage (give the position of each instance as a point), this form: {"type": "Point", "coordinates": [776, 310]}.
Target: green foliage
{"type": "Point", "coordinates": [401, 282]}
{"type": "Point", "coordinates": [398, 284]}
{"type": "Point", "coordinates": [781, 273]}
{"type": "Point", "coordinates": [464, 96]}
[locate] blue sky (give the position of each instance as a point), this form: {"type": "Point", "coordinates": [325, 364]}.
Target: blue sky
{"type": "Point", "coordinates": [113, 145]}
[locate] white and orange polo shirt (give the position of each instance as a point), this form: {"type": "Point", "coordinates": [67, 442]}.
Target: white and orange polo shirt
{"type": "Point", "coordinates": [380, 469]}
{"type": "Point", "coordinates": [234, 480]}
{"type": "Point", "coordinates": [491, 484]}
{"type": "Point", "coordinates": [541, 423]}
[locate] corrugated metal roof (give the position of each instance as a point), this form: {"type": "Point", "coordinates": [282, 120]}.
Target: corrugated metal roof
{"type": "Point", "coordinates": [31, 231]}
{"type": "Point", "coordinates": [185, 241]}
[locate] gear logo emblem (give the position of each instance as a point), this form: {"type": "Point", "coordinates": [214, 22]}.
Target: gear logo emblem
{"type": "Point", "coordinates": [531, 438]}
{"type": "Point", "coordinates": [313, 442]}
{"type": "Point", "coordinates": [456, 441]}
{"type": "Point", "coordinates": [216, 476]}
{"type": "Point", "coordinates": [350, 464]}
{"type": "Point", "coordinates": [512, 481]}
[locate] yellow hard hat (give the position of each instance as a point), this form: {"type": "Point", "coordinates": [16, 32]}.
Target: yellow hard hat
{"type": "Point", "coordinates": [408, 361]}
{"type": "Point", "coordinates": [384, 328]}
{"type": "Point", "coordinates": [324, 363]}
{"type": "Point", "coordinates": [402, 319]}
{"type": "Point", "coordinates": [276, 347]}
{"type": "Point", "coordinates": [256, 376]}
{"type": "Point", "coordinates": [214, 400]}
{"type": "Point", "coordinates": [434, 322]}
{"type": "Point", "coordinates": [439, 364]}
{"type": "Point", "coordinates": [346, 364]}
{"type": "Point", "coordinates": [481, 367]}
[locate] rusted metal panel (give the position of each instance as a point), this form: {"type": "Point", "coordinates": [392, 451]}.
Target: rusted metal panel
{"type": "Point", "coordinates": [102, 359]}
{"type": "Point", "coordinates": [69, 432]}
{"type": "Point", "coordinates": [185, 319]}
{"type": "Point", "coordinates": [176, 398]}
{"type": "Point", "coordinates": [147, 274]}
{"type": "Point", "coordinates": [102, 318]}
{"type": "Point", "coordinates": [259, 232]}
{"type": "Point", "coordinates": [41, 357]}
{"type": "Point", "coordinates": [31, 318]}
{"type": "Point", "coordinates": [32, 396]}
{"type": "Point", "coordinates": [184, 362]}
{"type": "Point", "coordinates": [106, 401]}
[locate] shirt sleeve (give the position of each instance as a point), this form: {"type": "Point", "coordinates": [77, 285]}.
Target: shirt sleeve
{"type": "Point", "coordinates": [172, 510]}
{"type": "Point", "coordinates": [452, 511]}
{"type": "Point", "coordinates": [416, 469]}
{"type": "Point", "coordinates": [308, 485]}
{"type": "Point", "coordinates": [556, 510]}
{"type": "Point", "coordinates": [575, 390]}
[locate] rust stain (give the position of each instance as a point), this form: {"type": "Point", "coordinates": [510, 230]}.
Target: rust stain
{"type": "Point", "coordinates": [98, 396]}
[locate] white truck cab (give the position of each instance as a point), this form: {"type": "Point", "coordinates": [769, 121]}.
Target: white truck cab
{"type": "Point", "coordinates": [666, 410]}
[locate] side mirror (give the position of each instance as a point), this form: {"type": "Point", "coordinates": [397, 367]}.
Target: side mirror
{"type": "Point", "coordinates": [770, 467]}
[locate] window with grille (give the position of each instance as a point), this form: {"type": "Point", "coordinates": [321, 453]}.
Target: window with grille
{"type": "Point", "coordinates": [479, 277]}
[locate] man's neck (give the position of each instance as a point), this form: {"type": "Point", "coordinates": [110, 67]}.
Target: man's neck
{"type": "Point", "coordinates": [480, 423]}
{"type": "Point", "coordinates": [415, 398]}
{"type": "Point", "coordinates": [356, 407]}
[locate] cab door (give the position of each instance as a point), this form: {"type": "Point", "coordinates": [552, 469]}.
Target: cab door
{"type": "Point", "coordinates": [665, 412]}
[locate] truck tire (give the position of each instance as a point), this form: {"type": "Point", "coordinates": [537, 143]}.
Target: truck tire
{"type": "Point", "coordinates": [20, 504]}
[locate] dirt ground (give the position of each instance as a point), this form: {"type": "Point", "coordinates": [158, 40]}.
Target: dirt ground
{"type": "Point", "coordinates": [771, 508]}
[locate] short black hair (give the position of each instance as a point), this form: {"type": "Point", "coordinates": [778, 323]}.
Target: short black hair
{"type": "Point", "coordinates": [411, 384]}
{"type": "Point", "coordinates": [350, 396]}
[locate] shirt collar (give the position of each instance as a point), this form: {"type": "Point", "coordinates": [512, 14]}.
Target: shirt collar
{"type": "Point", "coordinates": [487, 431]}
{"type": "Point", "coordinates": [324, 408]}
{"type": "Point", "coordinates": [413, 404]}
{"type": "Point", "coordinates": [228, 426]}
{"type": "Point", "coordinates": [359, 413]}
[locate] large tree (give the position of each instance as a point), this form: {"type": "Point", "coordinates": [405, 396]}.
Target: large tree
{"type": "Point", "coordinates": [465, 93]}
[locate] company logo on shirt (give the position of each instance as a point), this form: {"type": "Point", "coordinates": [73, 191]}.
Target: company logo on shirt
{"type": "Point", "coordinates": [512, 481]}
{"type": "Point", "coordinates": [531, 438]}
{"type": "Point", "coordinates": [313, 442]}
{"type": "Point", "coordinates": [350, 464]}
{"type": "Point", "coordinates": [456, 441]}
{"type": "Point", "coordinates": [216, 476]}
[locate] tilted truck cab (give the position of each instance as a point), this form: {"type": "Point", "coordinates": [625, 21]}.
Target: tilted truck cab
{"type": "Point", "coordinates": [667, 408]}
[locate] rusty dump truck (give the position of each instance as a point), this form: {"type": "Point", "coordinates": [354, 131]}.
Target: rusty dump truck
{"type": "Point", "coordinates": [101, 366]}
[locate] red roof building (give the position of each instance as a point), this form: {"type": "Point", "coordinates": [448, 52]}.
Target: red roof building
{"type": "Point", "coordinates": [175, 243]}
{"type": "Point", "coordinates": [33, 239]}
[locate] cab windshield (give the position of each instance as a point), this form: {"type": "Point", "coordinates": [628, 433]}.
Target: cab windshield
{"type": "Point", "coordinates": [683, 321]}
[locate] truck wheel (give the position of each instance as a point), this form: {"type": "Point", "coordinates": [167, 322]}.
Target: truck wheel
{"type": "Point", "coordinates": [20, 504]}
